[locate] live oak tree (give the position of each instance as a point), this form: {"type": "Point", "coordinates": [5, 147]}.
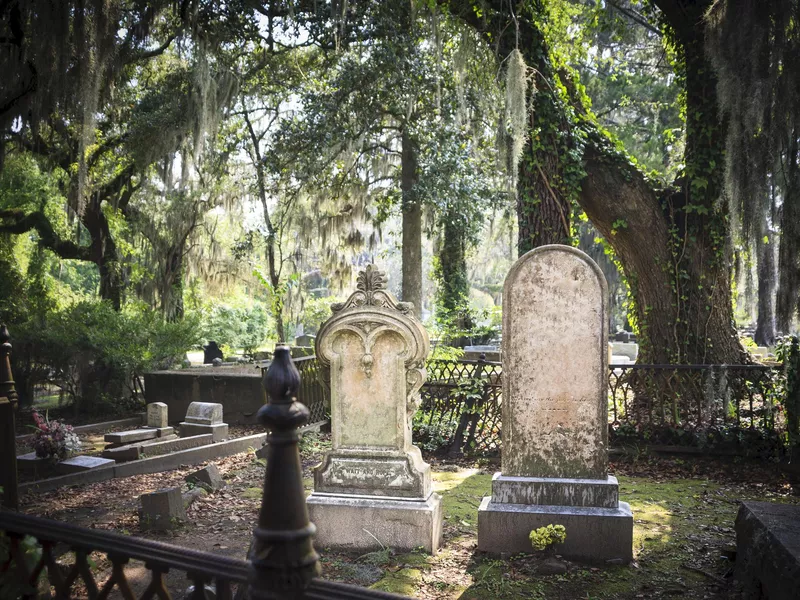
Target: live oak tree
{"type": "Point", "coordinates": [89, 115]}
{"type": "Point", "coordinates": [671, 243]}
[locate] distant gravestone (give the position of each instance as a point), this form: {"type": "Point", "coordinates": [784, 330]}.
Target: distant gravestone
{"type": "Point", "coordinates": [555, 412]}
{"type": "Point", "coordinates": [210, 352]}
{"type": "Point", "coordinates": [157, 413]}
{"type": "Point", "coordinates": [305, 340]}
{"type": "Point", "coordinates": [204, 413]}
{"type": "Point", "coordinates": [202, 418]}
{"type": "Point", "coordinates": [162, 509]}
{"type": "Point", "coordinates": [208, 477]}
{"type": "Point", "coordinates": [373, 489]}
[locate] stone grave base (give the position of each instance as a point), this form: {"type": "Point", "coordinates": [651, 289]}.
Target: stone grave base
{"type": "Point", "coordinates": [593, 534]}
{"type": "Point", "coordinates": [603, 493]}
{"type": "Point", "coordinates": [367, 523]}
{"type": "Point", "coordinates": [218, 431]}
{"type": "Point", "coordinates": [768, 550]}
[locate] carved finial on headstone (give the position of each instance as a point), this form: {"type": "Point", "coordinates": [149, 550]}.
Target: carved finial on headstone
{"type": "Point", "coordinates": [283, 560]}
{"type": "Point", "coordinates": [7, 389]}
{"type": "Point", "coordinates": [371, 291]}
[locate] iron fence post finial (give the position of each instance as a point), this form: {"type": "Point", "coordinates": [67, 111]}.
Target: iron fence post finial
{"type": "Point", "coordinates": [7, 389]}
{"type": "Point", "coordinates": [283, 560]}
{"type": "Point", "coordinates": [8, 448]}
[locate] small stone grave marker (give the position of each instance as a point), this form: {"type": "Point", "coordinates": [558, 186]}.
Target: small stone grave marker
{"type": "Point", "coordinates": [208, 477]}
{"type": "Point", "coordinates": [162, 509]}
{"type": "Point", "coordinates": [204, 413]}
{"type": "Point", "coordinates": [202, 418]}
{"type": "Point", "coordinates": [157, 413]}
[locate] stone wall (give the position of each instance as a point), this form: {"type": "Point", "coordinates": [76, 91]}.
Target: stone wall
{"type": "Point", "coordinates": [240, 394]}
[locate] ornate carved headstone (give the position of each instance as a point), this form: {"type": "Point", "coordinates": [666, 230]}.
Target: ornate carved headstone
{"type": "Point", "coordinates": [373, 487]}
{"type": "Point", "coordinates": [555, 412]}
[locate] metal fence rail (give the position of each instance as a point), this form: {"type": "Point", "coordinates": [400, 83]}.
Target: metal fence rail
{"type": "Point", "coordinates": [30, 556]}
{"type": "Point", "coordinates": [312, 391]}
{"type": "Point", "coordinates": [460, 409]}
{"type": "Point", "coordinates": [671, 404]}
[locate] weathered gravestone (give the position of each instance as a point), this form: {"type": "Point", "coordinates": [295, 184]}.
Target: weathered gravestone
{"type": "Point", "coordinates": [202, 418]}
{"type": "Point", "coordinates": [162, 509]}
{"type": "Point", "coordinates": [211, 351]}
{"type": "Point", "coordinates": [373, 489]}
{"type": "Point", "coordinates": [555, 413]}
{"type": "Point", "coordinates": [157, 415]}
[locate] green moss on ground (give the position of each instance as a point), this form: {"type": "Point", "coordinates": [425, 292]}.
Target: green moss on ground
{"type": "Point", "coordinates": [403, 582]}
{"type": "Point", "coordinates": [681, 528]}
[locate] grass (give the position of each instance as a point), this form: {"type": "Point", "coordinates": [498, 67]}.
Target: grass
{"type": "Point", "coordinates": [682, 528]}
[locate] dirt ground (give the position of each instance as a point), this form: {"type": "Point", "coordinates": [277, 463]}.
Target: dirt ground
{"type": "Point", "coordinates": [684, 511]}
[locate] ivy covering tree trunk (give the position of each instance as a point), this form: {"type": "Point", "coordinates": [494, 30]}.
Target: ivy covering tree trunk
{"type": "Point", "coordinates": [671, 245]}
{"type": "Point", "coordinates": [450, 269]}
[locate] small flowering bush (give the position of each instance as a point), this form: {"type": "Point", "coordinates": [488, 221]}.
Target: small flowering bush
{"type": "Point", "coordinates": [54, 439]}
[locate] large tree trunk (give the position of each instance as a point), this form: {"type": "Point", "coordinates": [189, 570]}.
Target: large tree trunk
{"type": "Point", "coordinates": [544, 206]}
{"type": "Point", "coordinates": [672, 247]}
{"type": "Point", "coordinates": [788, 297]}
{"type": "Point", "coordinates": [412, 225]}
{"type": "Point", "coordinates": [453, 284]}
{"type": "Point", "coordinates": [172, 287]}
{"type": "Point", "coordinates": [104, 253]}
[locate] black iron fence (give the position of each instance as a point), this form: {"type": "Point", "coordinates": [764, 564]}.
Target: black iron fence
{"type": "Point", "coordinates": [690, 405]}
{"type": "Point", "coordinates": [460, 409]}
{"type": "Point", "coordinates": [312, 391]}
{"type": "Point", "coordinates": [701, 405]}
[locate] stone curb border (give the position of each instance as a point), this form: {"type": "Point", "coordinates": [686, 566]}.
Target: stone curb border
{"type": "Point", "coordinates": [137, 420]}
{"type": "Point", "coordinates": [155, 464]}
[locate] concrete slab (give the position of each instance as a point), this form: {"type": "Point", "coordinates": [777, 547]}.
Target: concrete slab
{"type": "Point", "coordinates": [32, 464]}
{"type": "Point", "coordinates": [128, 437]}
{"type": "Point", "coordinates": [156, 448]}
{"type": "Point", "coordinates": [768, 550]}
{"type": "Point", "coordinates": [155, 464]}
{"type": "Point", "coordinates": [79, 464]}
{"type": "Point", "coordinates": [218, 431]}
{"type": "Point", "coordinates": [594, 534]}
{"type": "Point", "coordinates": [349, 522]}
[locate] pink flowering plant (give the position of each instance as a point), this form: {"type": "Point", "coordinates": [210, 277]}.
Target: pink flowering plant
{"type": "Point", "coordinates": [54, 439]}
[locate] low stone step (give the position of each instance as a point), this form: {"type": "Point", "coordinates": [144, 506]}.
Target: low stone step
{"type": "Point", "coordinates": [156, 448]}
{"type": "Point", "coordinates": [121, 438]}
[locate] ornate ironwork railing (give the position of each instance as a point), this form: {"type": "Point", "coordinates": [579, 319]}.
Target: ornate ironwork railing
{"type": "Point", "coordinates": [688, 404]}
{"type": "Point", "coordinates": [282, 563]}
{"type": "Point", "coordinates": [663, 404]}
{"type": "Point", "coordinates": [312, 390]}
{"type": "Point", "coordinates": [460, 408]}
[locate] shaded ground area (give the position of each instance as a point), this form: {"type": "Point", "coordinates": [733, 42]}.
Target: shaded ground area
{"type": "Point", "coordinates": [683, 509]}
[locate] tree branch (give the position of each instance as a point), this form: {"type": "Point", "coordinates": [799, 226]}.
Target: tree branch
{"type": "Point", "coordinates": [18, 222]}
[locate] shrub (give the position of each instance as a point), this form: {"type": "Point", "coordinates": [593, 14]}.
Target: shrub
{"type": "Point", "coordinates": [547, 536]}
{"type": "Point", "coordinates": [97, 355]}
{"type": "Point", "coordinates": [315, 312]}
{"type": "Point", "coordinates": [237, 326]}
